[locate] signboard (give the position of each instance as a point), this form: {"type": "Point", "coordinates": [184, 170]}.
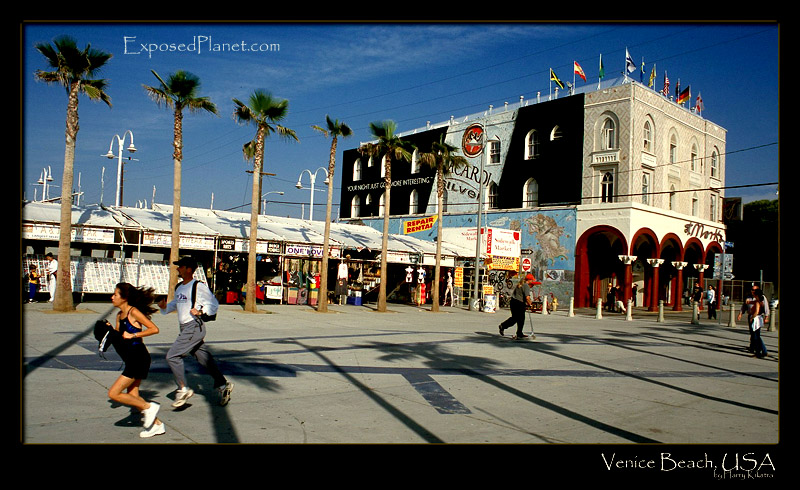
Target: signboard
{"type": "Point", "coordinates": [33, 231]}
{"type": "Point", "coordinates": [497, 262]}
{"type": "Point", "coordinates": [458, 277]}
{"type": "Point", "coordinates": [723, 263]}
{"type": "Point", "coordinates": [195, 242]}
{"type": "Point", "coordinates": [502, 242]}
{"type": "Point", "coordinates": [494, 241]}
{"type": "Point", "coordinates": [526, 264]}
{"type": "Point", "coordinates": [274, 292]}
{"type": "Point", "coordinates": [472, 141]}
{"type": "Point", "coordinates": [421, 224]}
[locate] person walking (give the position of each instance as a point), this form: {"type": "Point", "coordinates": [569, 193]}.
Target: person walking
{"type": "Point", "coordinates": [711, 301]}
{"type": "Point", "coordinates": [520, 301]}
{"type": "Point", "coordinates": [190, 340]}
{"type": "Point", "coordinates": [132, 324]}
{"type": "Point", "coordinates": [757, 312]}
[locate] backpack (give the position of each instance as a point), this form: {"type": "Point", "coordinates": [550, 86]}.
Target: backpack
{"type": "Point", "coordinates": [203, 316]}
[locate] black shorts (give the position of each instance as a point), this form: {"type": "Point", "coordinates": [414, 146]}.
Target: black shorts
{"type": "Point", "coordinates": [137, 361]}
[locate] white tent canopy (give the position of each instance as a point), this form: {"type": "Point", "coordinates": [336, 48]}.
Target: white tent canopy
{"type": "Point", "coordinates": [228, 224]}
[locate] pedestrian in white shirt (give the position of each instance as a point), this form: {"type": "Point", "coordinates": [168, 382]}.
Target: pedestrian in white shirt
{"type": "Point", "coordinates": [52, 269]}
{"type": "Point", "coordinates": [192, 333]}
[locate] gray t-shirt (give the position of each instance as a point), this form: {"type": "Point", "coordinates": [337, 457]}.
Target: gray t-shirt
{"type": "Point", "coordinates": [522, 291]}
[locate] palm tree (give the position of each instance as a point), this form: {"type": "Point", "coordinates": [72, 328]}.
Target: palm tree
{"type": "Point", "coordinates": [73, 69]}
{"type": "Point", "coordinates": [264, 111]}
{"type": "Point", "coordinates": [334, 129]}
{"type": "Point", "coordinates": [391, 146]}
{"type": "Point", "coordinates": [443, 159]}
{"type": "Point", "coordinates": [179, 92]}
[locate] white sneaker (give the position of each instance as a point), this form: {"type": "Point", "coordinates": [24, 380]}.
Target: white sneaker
{"type": "Point", "coordinates": [150, 414]}
{"type": "Point", "coordinates": [225, 393]}
{"type": "Point", "coordinates": [155, 430]}
{"type": "Point", "coordinates": [181, 396]}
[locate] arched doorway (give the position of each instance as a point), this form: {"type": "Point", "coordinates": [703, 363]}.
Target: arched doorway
{"type": "Point", "coordinates": [597, 264]}
{"type": "Point", "coordinates": [645, 246]}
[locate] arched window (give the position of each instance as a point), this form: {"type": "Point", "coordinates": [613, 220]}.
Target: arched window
{"type": "Point", "coordinates": [693, 159]}
{"type": "Point", "coordinates": [645, 189]}
{"type": "Point", "coordinates": [383, 167]}
{"type": "Point", "coordinates": [607, 188]}
{"type": "Point", "coordinates": [413, 202]}
{"type": "Point", "coordinates": [355, 207]}
{"type": "Point", "coordinates": [415, 165]}
{"type": "Point", "coordinates": [647, 145]}
{"type": "Point", "coordinates": [368, 204]}
{"type": "Point", "coordinates": [491, 195]}
{"type": "Point", "coordinates": [382, 204]}
{"type": "Point", "coordinates": [714, 164]}
{"type": "Point", "coordinates": [530, 194]}
{"type": "Point", "coordinates": [609, 135]}
{"type": "Point", "coordinates": [695, 204]}
{"type": "Point", "coordinates": [556, 134]}
{"type": "Point", "coordinates": [532, 145]}
{"type": "Point", "coordinates": [494, 152]}
{"type": "Point", "coordinates": [357, 170]}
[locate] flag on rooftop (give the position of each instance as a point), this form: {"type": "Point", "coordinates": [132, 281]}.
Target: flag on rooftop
{"type": "Point", "coordinates": [698, 104]}
{"type": "Point", "coordinates": [579, 70]}
{"type": "Point", "coordinates": [629, 64]}
{"type": "Point", "coordinates": [554, 78]}
{"type": "Point", "coordinates": [641, 72]}
{"type": "Point", "coordinates": [684, 95]}
{"type": "Point", "coordinates": [665, 90]}
{"type": "Point", "coordinates": [602, 69]}
{"type": "Point", "coordinates": [652, 81]}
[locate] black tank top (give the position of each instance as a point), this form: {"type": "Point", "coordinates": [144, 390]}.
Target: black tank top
{"type": "Point", "coordinates": [125, 325]}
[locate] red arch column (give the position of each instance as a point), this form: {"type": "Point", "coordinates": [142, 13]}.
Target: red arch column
{"type": "Point", "coordinates": [655, 263]}
{"type": "Point", "coordinates": [678, 305]}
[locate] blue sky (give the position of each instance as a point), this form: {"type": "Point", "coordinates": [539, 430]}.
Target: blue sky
{"type": "Point", "coordinates": [362, 72]}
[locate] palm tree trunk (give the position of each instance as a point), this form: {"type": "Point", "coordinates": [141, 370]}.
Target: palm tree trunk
{"type": "Point", "coordinates": [322, 298]}
{"type": "Point", "coordinates": [385, 239]}
{"type": "Point", "coordinates": [437, 271]}
{"type": "Point", "coordinates": [175, 243]}
{"type": "Point", "coordinates": [258, 162]}
{"type": "Point", "coordinates": [63, 297]}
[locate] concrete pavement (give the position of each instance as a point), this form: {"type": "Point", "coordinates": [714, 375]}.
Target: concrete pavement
{"type": "Point", "coordinates": [354, 375]}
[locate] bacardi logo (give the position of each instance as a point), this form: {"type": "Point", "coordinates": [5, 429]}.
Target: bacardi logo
{"type": "Point", "coordinates": [472, 141]}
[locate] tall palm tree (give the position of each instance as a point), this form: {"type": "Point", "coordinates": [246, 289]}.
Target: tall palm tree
{"type": "Point", "coordinates": [392, 147]}
{"type": "Point", "coordinates": [73, 69]}
{"type": "Point", "coordinates": [264, 111]}
{"type": "Point", "coordinates": [334, 129]}
{"type": "Point", "coordinates": [444, 160]}
{"type": "Point", "coordinates": [179, 92]}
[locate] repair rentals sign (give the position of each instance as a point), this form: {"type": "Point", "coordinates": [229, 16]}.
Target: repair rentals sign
{"type": "Point", "coordinates": [421, 224]}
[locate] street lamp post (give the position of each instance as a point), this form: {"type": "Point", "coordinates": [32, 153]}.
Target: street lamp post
{"type": "Point", "coordinates": [264, 201]}
{"type": "Point", "coordinates": [313, 178]}
{"type": "Point", "coordinates": [44, 179]}
{"type": "Point", "coordinates": [110, 155]}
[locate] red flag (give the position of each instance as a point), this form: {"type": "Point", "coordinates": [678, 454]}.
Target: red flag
{"type": "Point", "coordinates": [579, 70]}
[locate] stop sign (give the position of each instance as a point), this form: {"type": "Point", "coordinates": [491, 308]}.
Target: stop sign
{"type": "Point", "coordinates": [526, 264]}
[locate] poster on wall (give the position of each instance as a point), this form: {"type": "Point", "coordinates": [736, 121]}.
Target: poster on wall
{"type": "Point", "coordinates": [101, 275]}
